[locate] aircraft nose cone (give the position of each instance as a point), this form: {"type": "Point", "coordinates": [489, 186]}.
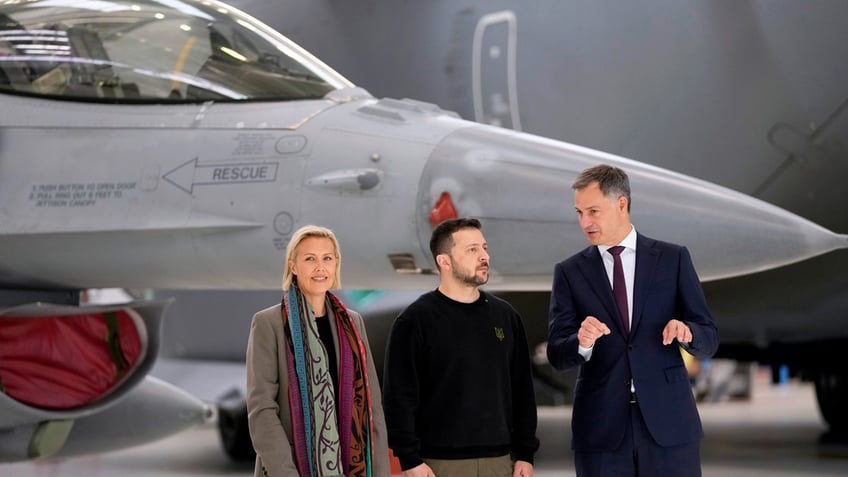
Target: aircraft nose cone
{"type": "Point", "coordinates": [729, 233]}
{"type": "Point", "coordinates": [519, 186]}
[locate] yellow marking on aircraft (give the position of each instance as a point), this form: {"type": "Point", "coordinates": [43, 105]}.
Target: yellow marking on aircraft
{"type": "Point", "coordinates": [178, 67]}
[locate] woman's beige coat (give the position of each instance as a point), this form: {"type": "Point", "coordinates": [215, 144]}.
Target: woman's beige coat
{"type": "Point", "coordinates": [268, 411]}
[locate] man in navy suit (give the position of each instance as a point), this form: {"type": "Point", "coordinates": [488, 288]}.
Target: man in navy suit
{"type": "Point", "coordinates": [622, 323]}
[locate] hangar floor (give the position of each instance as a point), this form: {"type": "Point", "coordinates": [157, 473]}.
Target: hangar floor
{"type": "Point", "coordinates": [775, 434]}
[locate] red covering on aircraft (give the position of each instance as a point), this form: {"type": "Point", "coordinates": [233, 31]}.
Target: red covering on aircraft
{"type": "Point", "coordinates": [443, 210]}
{"type": "Point", "coordinates": [63, 362]}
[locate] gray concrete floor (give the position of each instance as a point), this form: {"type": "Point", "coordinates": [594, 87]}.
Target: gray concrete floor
{"type": "Point", "coordinates": [775, 434]}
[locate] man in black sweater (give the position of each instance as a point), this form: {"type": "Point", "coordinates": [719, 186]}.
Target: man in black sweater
{"type": "Point", "coordinates": [457, 387]}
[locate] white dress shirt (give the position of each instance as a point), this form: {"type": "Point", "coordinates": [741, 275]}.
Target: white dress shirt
{"type": "Point", "coordinates": [628, 264]}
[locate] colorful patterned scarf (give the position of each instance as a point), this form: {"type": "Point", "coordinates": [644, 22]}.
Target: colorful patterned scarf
{"type": "Point", "coordinates": [324, 445]}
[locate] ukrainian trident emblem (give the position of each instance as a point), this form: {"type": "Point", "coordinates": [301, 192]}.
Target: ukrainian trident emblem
{"type": "Point", "coordinates": [499, 333]}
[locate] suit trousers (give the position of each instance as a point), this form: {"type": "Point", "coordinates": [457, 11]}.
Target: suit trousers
{"type": "Point", "coordinates": [485, 467]}
{"type": "Point", "coordinates": [640, 456]}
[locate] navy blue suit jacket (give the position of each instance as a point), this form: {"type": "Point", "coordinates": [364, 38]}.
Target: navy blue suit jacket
{"type": "Point", "coordinates": [666, 287]}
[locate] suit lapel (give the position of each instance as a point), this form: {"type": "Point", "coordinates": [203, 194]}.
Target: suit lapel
{"type": "Point", "coordinates": [592, 267]}
{"type": "Point", "coordinates": [647, 257]}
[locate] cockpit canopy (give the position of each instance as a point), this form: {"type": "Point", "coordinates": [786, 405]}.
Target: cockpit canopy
{"type": "Point", "coordinates": [152, 52]}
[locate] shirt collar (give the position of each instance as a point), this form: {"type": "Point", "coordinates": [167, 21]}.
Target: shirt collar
{"type": "Point", "coordinates": [628, 243]}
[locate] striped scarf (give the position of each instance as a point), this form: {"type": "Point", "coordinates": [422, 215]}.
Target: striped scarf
{"type": "Point", "coordinates": [330, 438]}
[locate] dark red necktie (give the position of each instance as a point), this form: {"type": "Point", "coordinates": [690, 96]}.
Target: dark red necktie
{"type": "Point", "coordinates": [619, 289]}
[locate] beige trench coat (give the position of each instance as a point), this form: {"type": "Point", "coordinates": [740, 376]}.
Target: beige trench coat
{"type": "Point", "coordinates": [268, 411]}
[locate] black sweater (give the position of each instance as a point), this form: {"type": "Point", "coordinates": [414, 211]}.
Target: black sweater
{"type": "Point", "coordinates": [457, 382]}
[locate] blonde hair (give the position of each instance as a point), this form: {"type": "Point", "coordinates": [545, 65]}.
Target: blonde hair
{"type": "Point", "coordinates": [299, 236]}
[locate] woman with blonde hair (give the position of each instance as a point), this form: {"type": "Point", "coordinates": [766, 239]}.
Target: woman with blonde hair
{"type": "Point", "coordinates": [313, 398]}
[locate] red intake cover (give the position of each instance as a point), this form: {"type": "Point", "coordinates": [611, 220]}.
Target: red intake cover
{"type": "Point", "coordinates": [63, 362]}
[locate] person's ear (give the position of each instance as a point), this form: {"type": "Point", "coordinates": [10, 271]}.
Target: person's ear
{"type": "Point", "coordinates": [622, 203]}
{"type": "Point", "coordinates": [442, 260]}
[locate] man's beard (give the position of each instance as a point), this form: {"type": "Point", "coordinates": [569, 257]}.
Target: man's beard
{"type": "Point", "coordinates": [472, 279]}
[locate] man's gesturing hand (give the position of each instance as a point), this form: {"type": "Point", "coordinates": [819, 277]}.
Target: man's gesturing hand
{"type": "Point", "coordinates": [676, 329]}
{"type": "Point", "coordinates": [590, 330]}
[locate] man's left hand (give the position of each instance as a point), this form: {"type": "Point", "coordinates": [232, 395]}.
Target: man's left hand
{"type": "Point", "coordinates": [676, 329]}
{"type": "Point", "coordinates": [522, 469]}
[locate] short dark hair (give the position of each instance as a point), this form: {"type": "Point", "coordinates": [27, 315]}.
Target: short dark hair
{"type": "Point", "coordinates": [441, 240]}
{"type": "Point", "coordinates": [611, 180]}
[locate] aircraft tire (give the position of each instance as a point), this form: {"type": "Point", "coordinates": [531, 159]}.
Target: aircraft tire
{"type": "Point", "coordinates": [235, 435]}
{"type": "Point", "coordinates": [832, 394]}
